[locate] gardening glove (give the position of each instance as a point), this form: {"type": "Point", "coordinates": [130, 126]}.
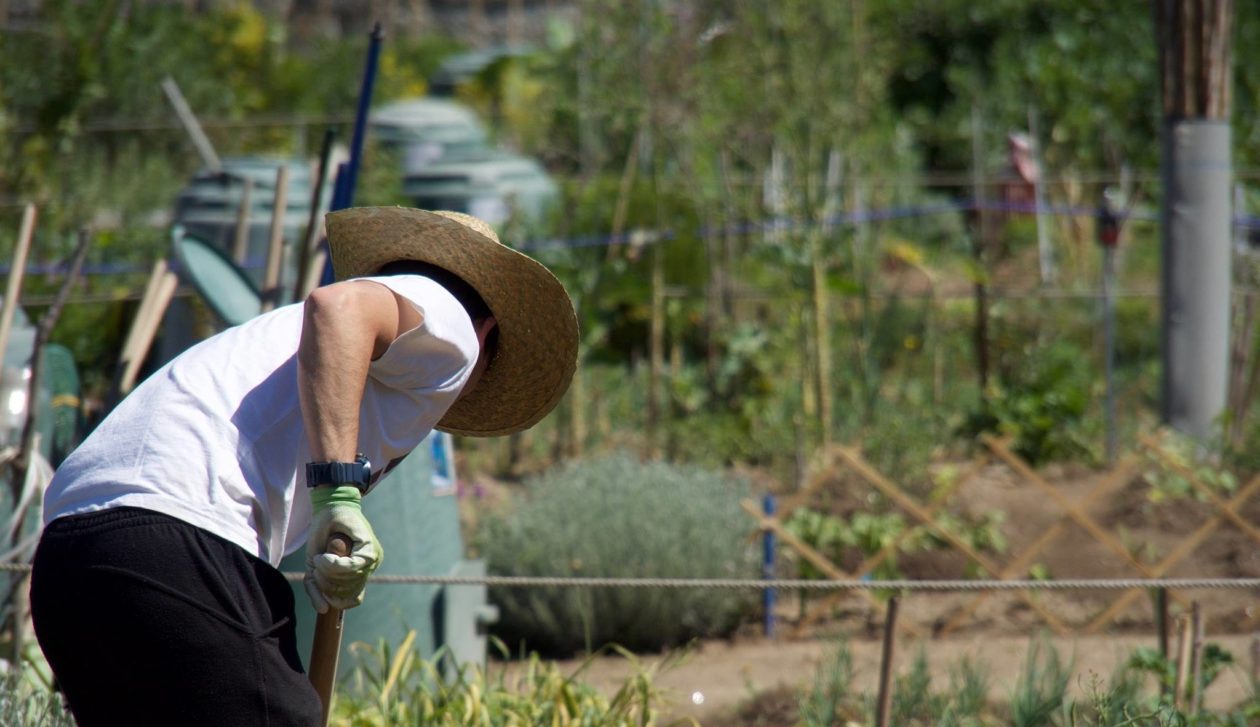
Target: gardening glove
{"type": "Point", "coordinates": [333, 580]}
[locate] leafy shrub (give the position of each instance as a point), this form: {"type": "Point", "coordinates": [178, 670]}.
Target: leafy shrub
{"type": "Point", "coordinates": [1042, 405]}
{"type": "Point", "coordinates": [617, 517]}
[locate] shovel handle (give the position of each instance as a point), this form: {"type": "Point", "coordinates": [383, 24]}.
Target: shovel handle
{"type": "Point", "coordinates": [326, 646]}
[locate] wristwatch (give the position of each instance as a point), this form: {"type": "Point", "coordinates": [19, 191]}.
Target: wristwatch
{"type": "Point", "coordinates": [357, 473]}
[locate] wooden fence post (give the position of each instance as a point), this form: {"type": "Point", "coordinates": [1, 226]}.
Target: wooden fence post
{"type": "Point", "coordinates": [17, 272]}
{"type": "Point", "coordinates": [271, 291]}
{"type": "Point", "coordinates": [240, 237]}
{"type": "Point", "coordinates": [1196, 658]}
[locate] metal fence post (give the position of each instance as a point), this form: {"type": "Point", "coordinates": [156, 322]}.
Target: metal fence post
{"type": "Point", "coordinates": [768, 595]}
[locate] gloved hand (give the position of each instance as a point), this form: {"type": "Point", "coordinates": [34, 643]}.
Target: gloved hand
{"type": "Point", "coordinates": [332, 580]}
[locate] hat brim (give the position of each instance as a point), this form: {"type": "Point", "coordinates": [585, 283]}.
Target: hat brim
{"type": "Point", "coordinates": [537, 328]}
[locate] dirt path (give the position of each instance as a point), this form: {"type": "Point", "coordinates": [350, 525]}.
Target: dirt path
{"type": "Point", "coordinates": [717, 677]}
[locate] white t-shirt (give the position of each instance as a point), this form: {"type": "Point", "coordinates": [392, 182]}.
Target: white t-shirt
{"type": "Point", "coordinates": [215, 437]}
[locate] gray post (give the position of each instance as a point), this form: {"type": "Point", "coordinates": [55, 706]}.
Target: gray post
{"type": "Point", "coordinates": [1196, 273]}
{"type": "Point", "coordinates": [1109, 237]}
{"type": "Point", "coordinates": [1109, 344]}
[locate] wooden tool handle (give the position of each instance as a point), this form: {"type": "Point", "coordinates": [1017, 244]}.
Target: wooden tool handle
{"type": "Point", "coordinates": [338, 544]}
{"type": "Point", "coordinates": [326, 646]}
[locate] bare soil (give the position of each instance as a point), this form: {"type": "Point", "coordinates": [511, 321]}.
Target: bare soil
{"type": "Point", "coordinates": [759, 681]}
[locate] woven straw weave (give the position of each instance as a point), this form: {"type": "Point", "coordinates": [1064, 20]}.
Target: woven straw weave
{"type": "Point", "coordinates": [538, 333]}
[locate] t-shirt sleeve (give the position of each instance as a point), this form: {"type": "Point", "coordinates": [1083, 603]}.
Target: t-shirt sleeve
{"type": "Point", "coordinates": [435, 356]}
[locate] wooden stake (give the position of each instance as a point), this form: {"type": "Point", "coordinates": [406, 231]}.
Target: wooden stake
{"type": "Point", "coordinates": [1255, 660]}
{"type": "Point", "coordinates": [43, 332]}
{"type": "Point", "coordinates": [27, 444]}
{"type": "Point", "coordinates": [1183, 661]}
{"type": "Point", "coordinates": [326, 646]}
{"type": "Point", "coordinates": [1161, 626]}
{"type": "Point", "coordinates": [144, 330]}
{"type": "Point", "coordinates": [884, 709]}
{"type": "Point", "coordinates": [314, 271]}
{"type": "Point", "coordinates": [656, 345]}
{"type": "Point", "coordinates": [13, 289]}
{"type": "Point", "coordinates": [310, 240]}
{"type": "Point", "coordinates": [133, 341]}
{"type": "Point", "coordinates": [1196, 658]}
{"type": "Point", "coordinates": [822, 338]}
{"type": "Point", "coordinates": [240, 239]}
{"type": "Point", "coordinates": [186, 117]}
{"type": "Point", "coordinates": [275, 250]}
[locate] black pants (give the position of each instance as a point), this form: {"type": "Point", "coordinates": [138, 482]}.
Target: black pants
{"type": "Point", "coordinates": [147, 620]}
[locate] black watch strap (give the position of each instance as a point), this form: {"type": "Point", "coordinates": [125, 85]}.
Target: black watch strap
{"type": "Point", "coordinates": [357, 473]}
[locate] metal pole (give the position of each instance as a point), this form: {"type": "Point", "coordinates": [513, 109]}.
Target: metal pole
{"type": "Point", "coordinates": [768, 597]}
{"type": "Point", "coordinates": [347, 172]}
{"type": "Point", "coordinates": [1196, 274]}
{"type": "Point", "coordinates": [1109, 344]}
{"type": "Point", "coordinates": [1108, 225]}
{"type": "Point", "coordinates": [1045, 254]}
{"type": "Point", "coordinates": [979, 241]}
{"type": "Point", "coordinates": [360, 119]}
{"type": "Point", "coordinates": [339, 202]}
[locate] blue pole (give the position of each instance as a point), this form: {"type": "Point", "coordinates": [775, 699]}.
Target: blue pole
{"type": "Point", "coordinates": [339, 202]}
{"type": "Point", "coordinates": [348, 172]}
{"type": "Point", "coordinates": [360, 119]}
{"type": "Point", "coordinates": [768, 596]}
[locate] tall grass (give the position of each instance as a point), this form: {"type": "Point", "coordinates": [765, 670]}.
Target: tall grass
{"type": "Point", "coordinates": [393, 687]}
{"type": "Point", "coordinates": [1041, 691]}
{"type": "Point", "coordinates": [27, 701]}
{"type": "Point", "coordinates": [830, 701]}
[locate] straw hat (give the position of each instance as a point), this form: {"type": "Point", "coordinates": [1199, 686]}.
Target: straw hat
{"type": "Point", "coordinates": [538, 334]}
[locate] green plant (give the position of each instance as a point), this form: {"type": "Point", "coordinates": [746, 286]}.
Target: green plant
{"type": "Point", "coordinates": [914, 703]}
{"type": "Point", "coordinates": [615, 516]}
{"type": "Point", "coordinates": [832, 535]}
{"type": "Point", "coordinates": [969, 690]}
{"type": "Point", "coordinates": [1041, 690]}
{"type": "Point", "coordinates": [830, 700]}
{"type": "Point", "coordinates": [26, 700]}
{"type": "Point", "coordinates": [1182, 458]}
{"type": "Point", "coordinates": [869, 533]}
{"type": "Point", "coordinates": [1041, 403]}
{"type": "Point", "coordinates": [1147, 660]}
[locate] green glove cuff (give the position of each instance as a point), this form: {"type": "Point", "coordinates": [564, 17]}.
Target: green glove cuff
{"type": "Point", "coordinates": [349, 495]}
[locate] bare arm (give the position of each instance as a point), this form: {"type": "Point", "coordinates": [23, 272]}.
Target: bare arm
{"type": "Point", "coordinates": [346, 326]}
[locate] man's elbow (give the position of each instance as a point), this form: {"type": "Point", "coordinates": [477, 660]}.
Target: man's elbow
{"type": "Point", "coordinates": [350, 309]}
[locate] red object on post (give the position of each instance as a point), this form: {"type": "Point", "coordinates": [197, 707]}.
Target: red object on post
{"type": "Point", "coordinates": [1108, 225]}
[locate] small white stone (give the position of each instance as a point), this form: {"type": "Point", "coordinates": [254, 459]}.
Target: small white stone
{"type": "Point", "coordinates": [697, 698]}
